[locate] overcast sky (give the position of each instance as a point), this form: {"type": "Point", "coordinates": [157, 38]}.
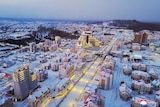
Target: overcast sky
{"type": "Point", "coordinates": [143, 10]}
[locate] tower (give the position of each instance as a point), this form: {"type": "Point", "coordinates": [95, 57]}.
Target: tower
{"type": "Point", "coordinates": [106, 81]}
{"type": "Point", "coordinates": [145, 38]}
{"type": "Point", "coordinates": [58, 40]}
{"type": "Point", "coordinates": [23, 82]}
{"type": "Point", "coordinates": [140, 37]}
{"type": "Point", "coordinates": [21, 88]}
{"type": "Point", "coordinates": [32, 47]}
{"type": "Point", "coordinates": [88, 35]}
{"type": "Point", "coordinates": [85, 39]}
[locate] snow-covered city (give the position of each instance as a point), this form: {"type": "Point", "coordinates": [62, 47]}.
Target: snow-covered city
{"type": "Point", "coordinates": [104, 66]}
{"type": "Point", "coordinates": [79, 53]}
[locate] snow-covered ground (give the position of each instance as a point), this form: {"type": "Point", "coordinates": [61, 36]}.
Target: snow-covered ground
{"type": "Point", "coordinates": [112, 97]}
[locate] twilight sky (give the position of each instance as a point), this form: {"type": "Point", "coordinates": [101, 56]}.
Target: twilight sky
{"type": "Point", "coordinates": [143, 10]}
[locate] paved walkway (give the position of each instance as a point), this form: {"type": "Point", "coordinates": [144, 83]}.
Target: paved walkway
{"type": "Point", "coordinates": [77, 91]}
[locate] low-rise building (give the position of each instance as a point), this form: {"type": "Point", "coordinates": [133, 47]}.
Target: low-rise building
{"type": "Point", "coordinates": [94, 100]}
{"type": "Point", "coordinates": [66, 70]}
{"type": "Point", "coordinates": [40, 97]}
{"type": "Point", "coordinates": [127, 70]}
{"type": "Point", "coordinates": [139, 66]}
{"type": "Point", "coordinates": [42, 74]}
{"type": "Point", "coordinates": [153, 74]}
{"type": "Point", "coordinates": [152, 47]}
{"type": "Point", "coordinates": [156, 84]}
{"type": "Point", "coordinates": [7, 64]}
{"type": "Point", "coordinates": [137, 75]}
{"type": "Point", "coordinates": [141, 86]}
{"type": "Point", "coordinates": [62, 86]}
{"type": "Point", "coordinates": [125, 91]}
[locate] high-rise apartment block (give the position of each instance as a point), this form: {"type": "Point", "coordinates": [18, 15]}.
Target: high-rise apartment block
{"type": "Point", "coordinates": [24, 81]}
{"type": "Point", "coordinates": [140, 37]}
{"type": "Point", "coordinates": [32, 47]}
{"type": "Point", "coordinates": [87, 40]}
{"type": "Point", "coordinates": [58, 40]}
{"type": "Point", "coordinates": [106, 80]}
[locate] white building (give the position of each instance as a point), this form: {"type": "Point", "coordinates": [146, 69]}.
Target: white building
{"type": "Point", "coordinates": [106, 80]}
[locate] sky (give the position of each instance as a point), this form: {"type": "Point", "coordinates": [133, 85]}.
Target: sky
{"type": "Point", "coordinates": [142, 10]}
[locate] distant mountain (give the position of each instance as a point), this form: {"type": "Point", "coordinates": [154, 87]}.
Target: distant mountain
{"type": "Point", "coordinates": [136, 25]}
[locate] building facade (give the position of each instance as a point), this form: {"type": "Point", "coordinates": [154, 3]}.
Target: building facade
{"type": "Point", "coordinates": [106, 80]}
{"type": "Point", "coordinates": [32, 47]}
{"type": "Point", "coordinates": [86, 40]}
{"type": "Point", "coordinates": [140, 37]}
{"type": "Point", "coordinates": [23, 82]}
{"type": "Point", "coordinates": [40, 97]}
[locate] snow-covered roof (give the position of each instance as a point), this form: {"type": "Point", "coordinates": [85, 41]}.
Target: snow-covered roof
{"type": "Point", "coordinates": [32, 97]}
{"type": "Point", "coordinates": [91, 88]}
{"type": "Point", "coordinates": [2, 100]}
{"type": "Point", "coordinates": [44, 89]}
{"type": "Point", "coordinates": [62, 82]}
{"type": "Point", "coordinates": [2, 75]}
{"type": "Point", "coordinates": [141, 82]}
{"type": "Point", "coordinates": [125, 88]}
{"type": "Point", "coordinates": [136, 56]}
{"type": "Point", "coordinates": [156, 82]}
{"type": "Point", "coordinates": [144, 101]}
{"type": "Point", "coordinates": [136, 72]}
{"type": "Point", "coordinates": [38, 93]}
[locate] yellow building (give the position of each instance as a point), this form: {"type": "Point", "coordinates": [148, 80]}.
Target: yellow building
{"type": "Point", "coordinates": [86, 40]}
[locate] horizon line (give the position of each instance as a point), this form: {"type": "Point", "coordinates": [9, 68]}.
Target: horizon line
{"type": "Point", "coordinates": [83, 20]}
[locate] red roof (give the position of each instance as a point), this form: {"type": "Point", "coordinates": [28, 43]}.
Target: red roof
{"type": "Point", "coordinates": [6, 75]}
